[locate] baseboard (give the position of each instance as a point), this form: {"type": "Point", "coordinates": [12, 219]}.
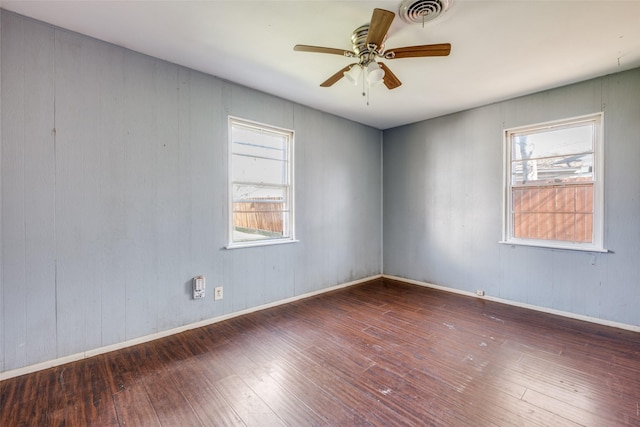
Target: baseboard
{"type": "Point", "coordinates": [568, 314]}
{"type": "Point", "coordinates": [140, 340]}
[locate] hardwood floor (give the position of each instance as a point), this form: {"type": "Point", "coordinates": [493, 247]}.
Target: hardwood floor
{"type": "Point", "coordinates": [382, 353]}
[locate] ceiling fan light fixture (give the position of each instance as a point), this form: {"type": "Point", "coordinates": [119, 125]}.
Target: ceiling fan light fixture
{"type": "Point", "coordinates": [368, 41]}
{"type": "Point", "coordinates": [353, 74]}
{"type": "Point", "coordinates": [375, 74]}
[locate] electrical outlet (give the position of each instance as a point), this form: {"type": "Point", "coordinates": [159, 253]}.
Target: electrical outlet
{"type": "Point", "coordinates": [480, 292]}
{"type": "Point", "coordinates": [217, 293]}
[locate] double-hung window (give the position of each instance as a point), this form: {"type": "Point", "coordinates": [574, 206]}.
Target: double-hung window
{"type": "Point", "coordinates": [261, 184]}
{"type": "Point", "coordinates": [554, 184]}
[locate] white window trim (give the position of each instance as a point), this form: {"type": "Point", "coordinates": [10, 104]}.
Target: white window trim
{"type": "Point", "coordinates": [598, 197]}
{"type": "Point", "coordinates": [290, 158]}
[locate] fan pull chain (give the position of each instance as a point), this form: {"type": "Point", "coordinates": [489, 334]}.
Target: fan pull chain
{"type": "Point", "coordinates": [365, 88]}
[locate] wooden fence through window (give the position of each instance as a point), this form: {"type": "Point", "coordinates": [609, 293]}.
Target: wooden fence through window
{"type": "Point", "coordinates": [259, 215]}
{"type": "Point", "coordinates": [563, 212]}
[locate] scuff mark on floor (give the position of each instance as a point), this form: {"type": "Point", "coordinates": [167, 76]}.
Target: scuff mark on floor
{"type": "Point", "coordinates": [449, 326]}
{"type": "Point", "coordinates": [494, 318]}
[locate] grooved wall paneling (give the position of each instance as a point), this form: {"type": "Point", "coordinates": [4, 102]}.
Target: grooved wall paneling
{"type": "Point", "coordinates": [114, 196]}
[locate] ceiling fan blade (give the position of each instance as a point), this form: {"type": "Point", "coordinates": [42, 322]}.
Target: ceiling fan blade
{"type": "Point", "coordinates": [380, 22]}
{"type": "Point", "coordinates": [337, 76]}
{"type": "Point", "coordinates": [390, 80]}
{"type": "Point", "coordinates": [319, 49]}
{"type": "Point", "coordinates": [442, 49]}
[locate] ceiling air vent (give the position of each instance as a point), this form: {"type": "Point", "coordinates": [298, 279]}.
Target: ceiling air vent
{"type": "Point", "coordinates": [421, 11]}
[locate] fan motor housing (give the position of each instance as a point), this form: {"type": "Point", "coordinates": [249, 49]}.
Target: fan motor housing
{"type": "Point", "coordinates": [360, 48]}
{"type": "Point", "coordinates": [359, 40]}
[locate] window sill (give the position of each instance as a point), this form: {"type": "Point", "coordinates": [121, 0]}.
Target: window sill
{"type": "Point", "coordinates": [560, 246]}
{"type": "Point", "coordinates": [260, 243]}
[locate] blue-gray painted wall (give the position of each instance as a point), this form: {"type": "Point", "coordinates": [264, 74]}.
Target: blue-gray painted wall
{"type": "Point", "coordinates": [114, 195]}
{"type": "Point", "coordinates": [443, 187]}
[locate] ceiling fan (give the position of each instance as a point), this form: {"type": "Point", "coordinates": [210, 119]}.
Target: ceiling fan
{"type": "Point", "coordinates": [368, 44]}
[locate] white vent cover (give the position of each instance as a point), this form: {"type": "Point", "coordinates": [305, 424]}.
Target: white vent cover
{"type": "Point", "coordinates": [421, 11]}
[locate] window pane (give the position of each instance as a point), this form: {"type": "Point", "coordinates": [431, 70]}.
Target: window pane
{"type": "Point", "coordinates": [257, 225]}
{"type": "Point", "coordinates": [259, 156]}
{"type": "Point", "coordinates": [556, 142]}
{"type": "Point", "coordinates": [260, 212]}
{"type": "Point", "coordinates": [563, 213]}
{"type": "Point", "coordinates": [259, 142]}
{"type": "Point", "coordinates": [258, 193]}
{"type": "Point", "coordinates": [256, 169]}
{"type": "Point", "coordinates": [550, 170]}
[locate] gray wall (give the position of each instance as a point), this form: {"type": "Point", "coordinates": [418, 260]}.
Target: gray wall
{"type": "Point", "coordinates": [443, 204]}
{"type": "Point", "coordinates": [114, 195]}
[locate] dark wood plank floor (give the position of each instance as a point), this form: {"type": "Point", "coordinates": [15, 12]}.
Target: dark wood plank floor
{"type": "Point", "coordinates": [382, 353]}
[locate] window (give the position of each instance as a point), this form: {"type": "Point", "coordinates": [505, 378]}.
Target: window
{"type": "Point", "coordinates": [261, 184]}
{"type": "Point", "coordinates": [554, 184]}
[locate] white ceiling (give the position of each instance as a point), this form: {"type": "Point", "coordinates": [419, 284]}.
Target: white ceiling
{"type": "Point", "coordinates": [500, 49]}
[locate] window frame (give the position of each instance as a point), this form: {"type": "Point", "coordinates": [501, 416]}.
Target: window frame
{"type": "Point", "coordinates": [597, 243]}
{"type": "Point", "coordinates": [290, 138]}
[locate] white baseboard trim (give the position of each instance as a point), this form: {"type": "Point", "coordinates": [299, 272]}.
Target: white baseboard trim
{"type": "Point", "coordinates": [140, 340]}
{"type": "Point", "coordinates": [568, 314]}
